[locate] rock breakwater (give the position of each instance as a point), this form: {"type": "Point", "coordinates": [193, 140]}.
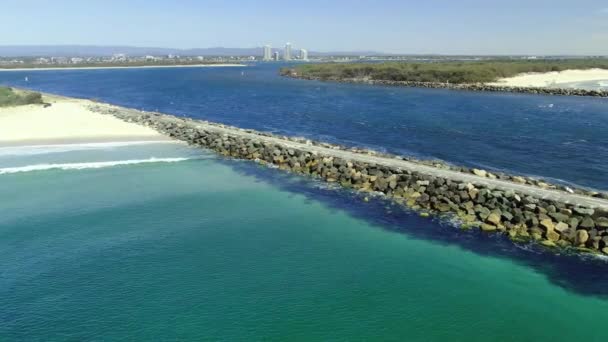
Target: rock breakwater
{"type": "Point", "coordinates": [521, 208]}
{"type": "Point", "coordinates": [455, 86]}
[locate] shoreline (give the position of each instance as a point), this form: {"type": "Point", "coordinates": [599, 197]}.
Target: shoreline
{"type": "Point", "coordinates": [554, 79]}
{"type": "Point", "coordinates": [524, 209]}
{"type": "Point", "coordinates": [127, 67]}
{"type": "Point", "coordinates": [479, 87]}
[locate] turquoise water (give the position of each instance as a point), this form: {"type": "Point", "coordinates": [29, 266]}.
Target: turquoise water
{"type": "Point", "coordinates": [212, 249]}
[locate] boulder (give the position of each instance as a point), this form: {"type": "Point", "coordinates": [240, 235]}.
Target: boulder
{"type": "Point", "coordinates": [583, 211]}
{"type": "Point", "coordinates": [548, 243]}
{"type": "Point", "coordinates": [442, 207]}
{"type": "Point", "coordinates": [482, 212]}
{"type": "Point", "coordinates": [493, 218]}
{"type": "Point", "coordinates": [547, 224]}
{"type": "Point", "coordinates": [487, 227]}
{"type": "Point", "coordinates": [581, 236]}
{"type": "Point", "coordinates": [587, 222]}
{"type": "Point", "coordinates": [601, 222]}
{"type": "Point", "coordinates": [553, 235]}
{"type": "Point", "coordinates": [473, 193]}
{"type": "Point", "coordinates": [480, 173]}
{"type": "Point", "coordinates": [561, 227]}
{"type": "Point", "coordinates": [573, 222]}
{"type": "Point", "coordinates": [519, 180]}
{"type": "Point", "coordinates": [559, 217]}
{"type": "Point", "coordinates": [507, 216]}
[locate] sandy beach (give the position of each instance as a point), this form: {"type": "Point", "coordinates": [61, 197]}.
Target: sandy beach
{"type": "Point", "coordinates": [553, 79]}
{"type": "Point", "coordinates": [67, 121]}
{"type": "Point", "coordinates": [129, 67]}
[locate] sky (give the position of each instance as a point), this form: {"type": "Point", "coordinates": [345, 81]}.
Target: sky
{"type": "Point", "coordinates": [392, 26]}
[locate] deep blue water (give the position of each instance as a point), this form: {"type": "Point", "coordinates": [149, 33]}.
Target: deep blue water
{"type": "Point", "coordinates": [564, 138]}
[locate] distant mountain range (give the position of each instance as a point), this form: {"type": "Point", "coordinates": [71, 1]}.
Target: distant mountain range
{"type": "Point", "coordinates": [100, 51]}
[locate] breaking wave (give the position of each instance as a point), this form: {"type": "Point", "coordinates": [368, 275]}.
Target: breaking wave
{"type": "Point", "coordinates": [91, 165]}
{"type": "Point", "coordinates": [60, 148]}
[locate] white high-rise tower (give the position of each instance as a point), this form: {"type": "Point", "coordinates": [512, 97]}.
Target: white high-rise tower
{"type": "Point", "coordinates": [287, 54]}
{"type": "Point", "coordinates": [304, 54]}
{"type": "Point", "coordinates": [267, 53]}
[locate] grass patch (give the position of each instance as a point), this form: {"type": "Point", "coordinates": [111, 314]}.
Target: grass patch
{"type": "Point", "coordinates": [442, 72]}
{"type": "Point", "coordinates": [10, 97]}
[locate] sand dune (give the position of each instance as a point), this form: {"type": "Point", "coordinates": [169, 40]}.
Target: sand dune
{"type": "Point", "coordinates": [553, 79]}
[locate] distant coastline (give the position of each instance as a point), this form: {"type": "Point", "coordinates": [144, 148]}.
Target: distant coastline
{"type": "Point", "coordinates": [467, 87]}
{"type": "Point", "coordinates": [34, 68]}
{"type": "Point", "coordinates": [538, 77]}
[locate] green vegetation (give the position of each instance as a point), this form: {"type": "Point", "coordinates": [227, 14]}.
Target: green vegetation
{"type": "Point", "coordinates": [443, 72]}
{"type": "Point", "coordinates": [10, 97]}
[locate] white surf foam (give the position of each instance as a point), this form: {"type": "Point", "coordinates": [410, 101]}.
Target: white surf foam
{"type": "Point", "coordinates": [91, 165]}
{"type": "Point", "coordinates": [59, 148]}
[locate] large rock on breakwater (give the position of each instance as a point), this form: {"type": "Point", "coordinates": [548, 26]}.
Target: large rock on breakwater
{"type": "Point", "coordinates": [455, 86]}
{"type": "Point", "coordinates": [519, 216]}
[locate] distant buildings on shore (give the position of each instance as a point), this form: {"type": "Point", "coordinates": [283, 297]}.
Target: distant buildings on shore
{"type": "Point", "coordinates": [288, 55]}
{"type": "Point", "coordinates": [267, 53]}
{"type": "Point", "coordinates": [120, 59]}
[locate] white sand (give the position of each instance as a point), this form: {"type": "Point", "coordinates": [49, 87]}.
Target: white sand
{"type": "Point", "coordinates": [67, 121]}
{"type": "Point", "coordinates": [129, 67]}
{"type": "Point", "coordinates": [553, 79]}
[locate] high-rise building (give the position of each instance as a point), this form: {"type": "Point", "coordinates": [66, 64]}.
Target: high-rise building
{"type": "Point", "coordinates": [277, 56]}
{"type": "Point", "coordinates": [267, 53]}
{"type": "Point", "coordinates": [287, 53]}
{"type": "Point", "coordinates": [304, 54]}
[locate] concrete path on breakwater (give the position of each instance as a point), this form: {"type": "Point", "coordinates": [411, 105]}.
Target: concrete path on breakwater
{"type": "Point", "coordinates": [522, 189]}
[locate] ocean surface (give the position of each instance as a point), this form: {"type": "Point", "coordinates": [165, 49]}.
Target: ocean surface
{"type": "Point", "coordinates": [124, 241]}
{"type": "Point", "coordinates": [556, 137]}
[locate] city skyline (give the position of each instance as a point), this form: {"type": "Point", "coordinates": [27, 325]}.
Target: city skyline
{"type": "Point", "coordinates": [268, 55]}
{"type": "Point", "coordinates": [469, 27]}
{"type": "Point", "coordinates": [287, 52]}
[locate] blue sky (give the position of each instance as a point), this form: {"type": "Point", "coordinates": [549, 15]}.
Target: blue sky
{"type": "Point", "coordinates": [431, 26]}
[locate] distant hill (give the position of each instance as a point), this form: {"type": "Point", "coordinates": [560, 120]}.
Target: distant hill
{"type": "Point", "coordinates": [99, 51]}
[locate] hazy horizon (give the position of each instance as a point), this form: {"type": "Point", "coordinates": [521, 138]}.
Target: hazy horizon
{"type": "Point", "coordinates": [470, 27]}
{"type": "Point", "coordinates": [248, 48]}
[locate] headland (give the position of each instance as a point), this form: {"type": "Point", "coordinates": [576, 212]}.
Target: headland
{"type": "Point", "coordinates": [534, 77]}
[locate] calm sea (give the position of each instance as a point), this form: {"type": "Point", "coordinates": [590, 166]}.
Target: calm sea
{"type": "Point", "coordinates": [165, 242]}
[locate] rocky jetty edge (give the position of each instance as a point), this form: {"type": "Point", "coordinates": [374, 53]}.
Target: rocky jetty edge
{"type": "Point", "coordinates": [455, 86]}
{"type": "Point", "coordinates": [524, 209]}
